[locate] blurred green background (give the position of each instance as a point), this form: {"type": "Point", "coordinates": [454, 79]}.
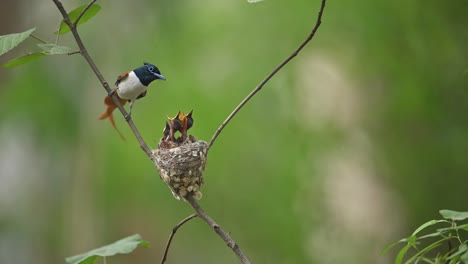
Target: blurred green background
{"type": "Point", "coordinates": [356, 142]}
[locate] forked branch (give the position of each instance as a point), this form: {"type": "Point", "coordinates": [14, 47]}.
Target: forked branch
{"type": "Point", "coordinates": [174, 230]}
{"type": "Point", "coordinates": [199, 212]}
{"type": "Point", "coordinates": [221, 233]}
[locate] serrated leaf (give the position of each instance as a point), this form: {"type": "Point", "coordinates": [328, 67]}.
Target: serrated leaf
{"type": "Point", "coordinates": [453, 215]}
{"type": "Point", "coordinates": [90, 13]}
{"type": "Point", "coordinates": [123, 246]}
{"type": "Point", "coordinates": [24, 59]}
{"type": "Point", "coordinates": [8, 42]}
{"type": "Point", "coordinates": [52, 49]}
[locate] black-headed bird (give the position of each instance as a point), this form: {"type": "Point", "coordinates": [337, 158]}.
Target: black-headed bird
{"type": "Point", "coordinates": [131, 85]}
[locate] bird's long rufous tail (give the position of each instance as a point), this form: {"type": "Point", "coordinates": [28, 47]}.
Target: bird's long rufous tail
{"type": "Point", "coordinates": [111, 106]}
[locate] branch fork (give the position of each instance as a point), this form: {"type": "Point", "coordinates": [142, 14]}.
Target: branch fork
{"type": "Point", "coordinates": [190, 199]}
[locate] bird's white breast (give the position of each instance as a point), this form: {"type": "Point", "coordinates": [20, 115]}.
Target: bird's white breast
{"type": "Point", "coordinates": [130, 88]}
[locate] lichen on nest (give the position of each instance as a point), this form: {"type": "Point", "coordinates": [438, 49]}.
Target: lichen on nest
{"type": "Point", "coordinates": [181, 161]}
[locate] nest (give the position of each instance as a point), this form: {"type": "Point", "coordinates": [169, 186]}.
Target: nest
{"type": "Point", "coordinates": [181, 166]}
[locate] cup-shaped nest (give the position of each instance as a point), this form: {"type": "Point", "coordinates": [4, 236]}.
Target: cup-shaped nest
{"type": "Point", "coordinates": [181, 161]}
{"type": "Point", "coordinates": [181, 166]}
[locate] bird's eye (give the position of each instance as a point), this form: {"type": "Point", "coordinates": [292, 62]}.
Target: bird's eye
{"type": "Point", "coordinates": [151, 69]}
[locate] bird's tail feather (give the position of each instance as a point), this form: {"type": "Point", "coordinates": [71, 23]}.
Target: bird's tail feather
{"type": "Point", "coordinates": [111, 106]}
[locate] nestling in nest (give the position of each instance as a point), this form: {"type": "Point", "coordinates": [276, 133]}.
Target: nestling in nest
{"type": "Point", "coordinates": [181, 161]}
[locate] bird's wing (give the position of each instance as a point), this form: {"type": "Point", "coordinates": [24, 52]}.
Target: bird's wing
{"type": "Point", "coordinates": [121, 77]}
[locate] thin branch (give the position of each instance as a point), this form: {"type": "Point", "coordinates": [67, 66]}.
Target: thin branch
{"type": "Point", "coordinates": [74, 52]}
{"type": "Point", "coordinates": [269, 76]}
{"type": "Point", "coordinates": [199, 212]}
{"type": "Point", "coordinates": [83, 12]}
{"type": "Point", "coordinates": [98, 74]}
{"type": "Point", "coordinates": [221, 233]}
{"type": "Point", "coordinates": [37, 38]}
{"type": "Point", "coordinates": [174, 230]}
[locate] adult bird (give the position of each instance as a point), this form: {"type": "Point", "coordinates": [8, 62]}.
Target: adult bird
{"type": "Point", "coordinates": [130, 86]}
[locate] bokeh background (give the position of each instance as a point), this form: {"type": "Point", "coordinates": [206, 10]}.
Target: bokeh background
{"type": "Point", "coordinates": [360, 139]}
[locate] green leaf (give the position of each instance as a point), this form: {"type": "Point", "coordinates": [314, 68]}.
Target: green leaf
{"type": "Point", "coordinates": [454, 215]}
{"type": "Point", "coordinates": [426, 260]}
{"type": "Point", "coordinates": [464, 258]}
{"type": "Point", "coordinates": [430, 235]}
{"type": "Point", "coordinates": [387, 248]}
{"type": "Point", "coordinates": [90, 13]}
{"type": "Point", "coordinates": [123, 246]}
{"type": "Point", "coordinates": [401, 254]}
{"type": "Point", "coordinates": [7, 42]}
{"type": "Point", "coordinates": [427, 224]}
{"type": "Point", "coordinates": [453, 228]}
{"type": "Point", "coordinates": [52, 49]}
{"type": "Point", "coordinates": [426, 249]}
{"type": "Point", "coordinates": [461, 249]}
{"type": "Point", "coordinates": [24, 59]}
{"type": "Point", "coordinates": [144, 244]}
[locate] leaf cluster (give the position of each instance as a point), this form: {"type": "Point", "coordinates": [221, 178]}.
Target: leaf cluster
{"type": "Point", "coordinates": [8, 42]}
{"type": "Point", "coordinates": [429, 248]}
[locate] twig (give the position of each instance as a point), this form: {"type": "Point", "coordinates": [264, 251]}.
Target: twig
{"type": "Point", "coordinates": [225, 236]}
{"type": "Point", "coordinates": [269, 76]}
{"type": "Point", "coordinates": [83, 12]}
{"type": "Point", "coordinates": [98, 74]}
{"type": "Point", "coordinates": [174, 230]}
{"type": "Point", "coordinates": [74, 52]}
{"type": "Point", "coordinates": [37, 38]}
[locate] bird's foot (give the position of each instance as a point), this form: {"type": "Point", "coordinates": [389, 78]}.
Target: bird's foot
{"type": "Point", "coordinates": [127, 117]}
{"type": "Point", "coordinates": [111, 93]}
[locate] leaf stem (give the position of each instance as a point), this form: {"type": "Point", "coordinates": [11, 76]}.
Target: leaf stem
{"type": "Point", "coordinates": [37, 38]}
{"type": "Point", "coordinates": [58, 35]}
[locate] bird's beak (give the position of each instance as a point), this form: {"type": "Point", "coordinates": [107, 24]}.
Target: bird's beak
{"type": "Point", "coordinates": [160, 76]}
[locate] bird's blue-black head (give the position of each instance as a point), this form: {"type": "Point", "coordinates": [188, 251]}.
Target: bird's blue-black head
{"type": "Point", "coordinates": [148, 73]}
